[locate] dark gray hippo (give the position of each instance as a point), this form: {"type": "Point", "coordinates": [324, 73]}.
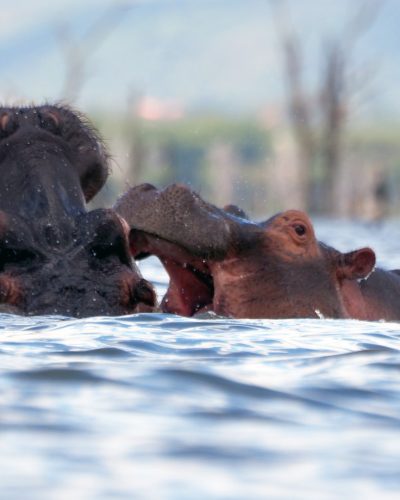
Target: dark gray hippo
{"type": "Point", "coordinates": [55, 256]}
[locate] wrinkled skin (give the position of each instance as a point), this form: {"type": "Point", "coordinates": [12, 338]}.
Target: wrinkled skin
{"type": "Point", "coordinates": [218, 260]}
{"type": "Point", "coordinates": [55, 257]}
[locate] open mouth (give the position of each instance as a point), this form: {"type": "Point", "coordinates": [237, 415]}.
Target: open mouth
{"type": "Point", "coordinates": [190, 290]}
{"type": "Point", "coordinates": [191, 285]}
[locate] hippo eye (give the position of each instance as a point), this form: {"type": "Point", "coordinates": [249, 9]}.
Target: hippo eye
{"type": "Point", "coordinates": [300, 229]}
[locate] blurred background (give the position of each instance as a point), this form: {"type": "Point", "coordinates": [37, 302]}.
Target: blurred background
{"type": "Point", "coordinates": [269, 104]}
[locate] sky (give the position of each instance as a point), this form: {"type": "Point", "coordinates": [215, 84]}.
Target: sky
{"type": "Point", "coordinates": [205, 54]}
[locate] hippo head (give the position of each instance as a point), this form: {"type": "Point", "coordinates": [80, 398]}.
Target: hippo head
{"type": "Point", "coordinates": [219, 260]}
{"type": "Point", "coordinates": [55, 257]}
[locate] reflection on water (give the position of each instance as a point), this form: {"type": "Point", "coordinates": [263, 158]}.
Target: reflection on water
{"type": "Point", "coordinates": [157, 406]}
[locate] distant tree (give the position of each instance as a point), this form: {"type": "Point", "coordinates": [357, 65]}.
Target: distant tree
{"type": "Point", "coordinates": [77, 51]}
{"type": "Point", "coordinates": [319, 118]}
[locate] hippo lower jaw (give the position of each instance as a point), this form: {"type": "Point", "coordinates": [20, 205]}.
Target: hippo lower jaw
{"type": "Point", "coordinates": [191, 286]}
{"type": "Point", "coordinates": [83, 270]}
{"type": "Point", "coordinates": [126, 295]}
{"type": "Point", "coordinates": [190, 290]}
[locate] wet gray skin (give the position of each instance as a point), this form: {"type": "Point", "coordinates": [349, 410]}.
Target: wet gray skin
{"type": "Point", "coordinates": [180, 215]}
{"type": "Point", "coordinates": [55, 257]}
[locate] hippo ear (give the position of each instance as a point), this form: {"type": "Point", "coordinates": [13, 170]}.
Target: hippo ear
{"type": "Point", "coordinates": [356, 265]}
{"type": "Point", "coordinates": [8, 124]}
{"type": "Point", "coordinates": [236, 211]}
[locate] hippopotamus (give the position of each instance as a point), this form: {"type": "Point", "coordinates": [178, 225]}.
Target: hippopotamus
{"type": "Point", "coordinates": [219, 260]}
{"type": "Point", "coordinates": [55, 256]}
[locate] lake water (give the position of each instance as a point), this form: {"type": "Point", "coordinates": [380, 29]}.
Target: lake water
{"type": "Point", "coordinates": [158, 406]}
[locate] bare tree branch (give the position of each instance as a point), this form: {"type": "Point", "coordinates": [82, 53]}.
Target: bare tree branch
{"type": "Point", "coordinates": [324, 144]}
{"type": "Point", "coordinates": [77, 52]}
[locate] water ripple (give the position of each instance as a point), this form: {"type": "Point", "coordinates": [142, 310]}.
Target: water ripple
{"type": "Point", "coordinates": [93, 407]}
{"type": "Point", "coordinates": [60, 375]}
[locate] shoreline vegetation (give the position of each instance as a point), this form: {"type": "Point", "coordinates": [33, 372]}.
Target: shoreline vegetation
{"type": "Point", "coordinates": [254, 163]}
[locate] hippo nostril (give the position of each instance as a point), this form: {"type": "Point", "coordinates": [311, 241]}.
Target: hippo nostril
{"type": "Point", "coordinates": [147, 187]}
{"type": "Point", "coordinates": [143, 293]}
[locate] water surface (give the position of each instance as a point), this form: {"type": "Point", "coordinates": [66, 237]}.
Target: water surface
{"type": "Point", "coordinates": [158, 406]}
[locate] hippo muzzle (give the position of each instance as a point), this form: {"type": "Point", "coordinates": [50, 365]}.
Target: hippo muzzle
{"type": "Point", "coordinates": [55, 257]}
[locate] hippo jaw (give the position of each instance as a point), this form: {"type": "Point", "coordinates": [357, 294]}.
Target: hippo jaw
{"type": "Point", "coordinates": [86, 272]}
{"type": "Point", "coordinates": [190, 290]}
{"type": "Point", "coordinates": [191, 285]}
